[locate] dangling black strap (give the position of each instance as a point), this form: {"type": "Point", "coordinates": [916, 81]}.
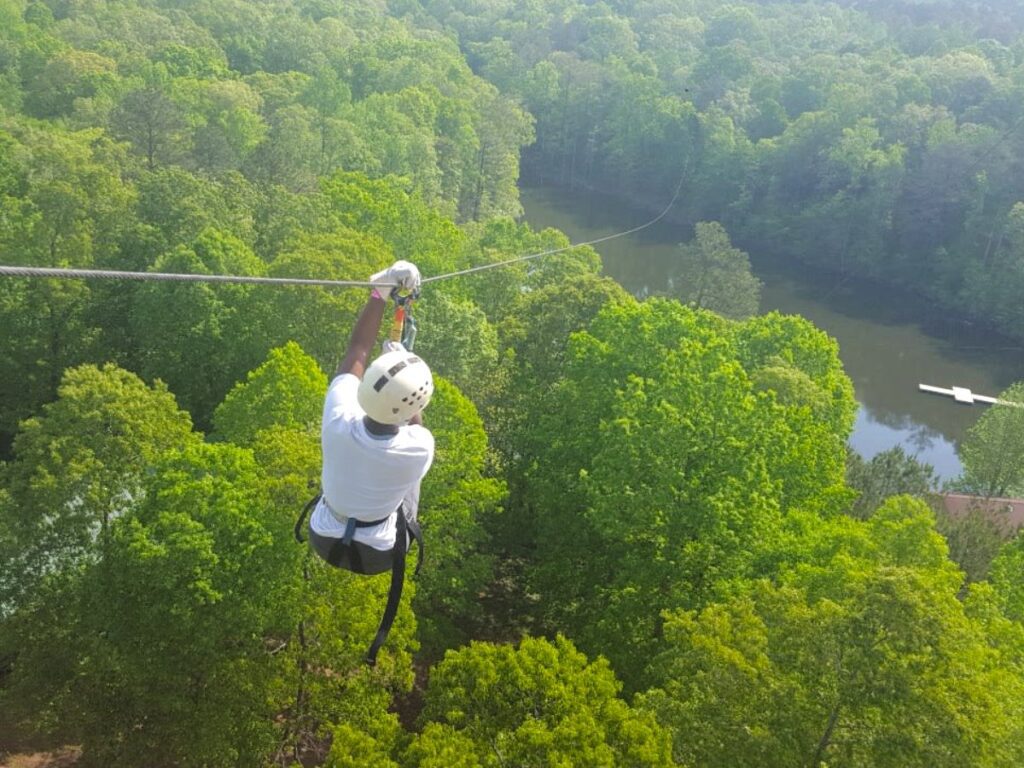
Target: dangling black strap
{"type": "Point", "coordinates": [395, 591]}
{"type": "Point", "coordinates": [302, 517]}
{"type": "Point", "coordinates": [417, 534]}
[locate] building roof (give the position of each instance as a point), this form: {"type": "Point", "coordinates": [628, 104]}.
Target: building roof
{"type": "Point", "coordinates": [1007, 513]}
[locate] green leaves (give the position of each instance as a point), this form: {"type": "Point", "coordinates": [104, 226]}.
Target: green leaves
{"type": "Point", "coordinates": [1008, 578]}
{"type": "Point", "coordinates": [676, 478]}
{"type": "Point", "coordinates": [199, 338]}
{"type": "Point", "coordinates": [285, 391]}
{"type": "Point", "coordinates": [657, 475]}
{"type": "Point", "coordinates": [542, 703]}
{"type": "Point", "coordinates": [78, 467]}
{"type": "Point", "coordinates": [459, 501]}
{"type": "Point", "coordinates": [714, 275]}
{"type": "Point", "coordinates": [993, 453]}
{"type": "Point", "coordinates": [851, 659]}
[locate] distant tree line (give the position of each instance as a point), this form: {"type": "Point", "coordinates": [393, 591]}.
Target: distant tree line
{"type": "Point", "coordinates": [882, 139]}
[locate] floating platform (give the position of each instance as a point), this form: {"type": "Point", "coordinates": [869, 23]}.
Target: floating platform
{"type": "Point", "coordinates": [965, 396]}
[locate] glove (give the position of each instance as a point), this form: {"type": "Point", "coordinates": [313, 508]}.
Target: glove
{"type": "Point", "coordinates": [391, 346]}
{"type": "Point", "coordinates": [404, 274]}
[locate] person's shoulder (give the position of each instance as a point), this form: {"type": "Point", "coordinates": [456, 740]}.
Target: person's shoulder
{"type": "Point", "coordinates": [344, 381]}
{"type": "Point", "coordinates": [342, 401]}
{"type": "Point", "coordinates": [417, 434]}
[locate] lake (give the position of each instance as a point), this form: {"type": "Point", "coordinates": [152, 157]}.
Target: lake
{"type": "Point", "coordinates": [889, 340]}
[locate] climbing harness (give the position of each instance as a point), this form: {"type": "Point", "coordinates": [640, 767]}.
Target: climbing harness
{"type": "Point", "coordinates": [348, 554]}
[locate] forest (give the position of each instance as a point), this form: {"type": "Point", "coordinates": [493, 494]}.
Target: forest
{"type": "Point", "coordinates": [648, 542]}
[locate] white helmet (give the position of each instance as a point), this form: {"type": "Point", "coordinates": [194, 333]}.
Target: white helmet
{"type": "Point", "coordinates": [395, 387]}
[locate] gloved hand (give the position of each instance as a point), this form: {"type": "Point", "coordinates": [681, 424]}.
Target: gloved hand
{"type": "Point", "coordinates": [404, 274]}
{"type": "Point", "coordinates": [392, 346]}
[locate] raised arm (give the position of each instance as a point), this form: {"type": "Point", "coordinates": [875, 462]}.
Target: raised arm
{"type": "Point", "coordinates": [364, 336]}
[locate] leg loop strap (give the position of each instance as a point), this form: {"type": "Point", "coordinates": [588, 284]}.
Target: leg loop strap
{"type": "Point", "coordinates": [395, 591]}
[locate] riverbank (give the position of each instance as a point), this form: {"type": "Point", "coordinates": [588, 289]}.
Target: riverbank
{"type": "Point", "coordinates": [889, 341]}
{"type": "Point", "coordinates": [936, 316]}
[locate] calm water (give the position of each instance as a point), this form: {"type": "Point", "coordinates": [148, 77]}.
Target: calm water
{"type": "Point", "coordinates": [889, 341]}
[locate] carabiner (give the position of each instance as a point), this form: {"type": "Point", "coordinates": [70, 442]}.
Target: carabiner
{"type": "Point", "coordinates": [403, 327]}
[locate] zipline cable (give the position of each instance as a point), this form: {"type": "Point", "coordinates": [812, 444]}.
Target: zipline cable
{"type": "Point", "coordinates": [110, 274]}
{"type": "Point", "coordinates": [553, 251]}
{"type": "Point", "coordinates": [169, 276]}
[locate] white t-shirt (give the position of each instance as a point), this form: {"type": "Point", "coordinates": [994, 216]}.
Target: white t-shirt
{"type": "Point", "coordinates": [366, 476]}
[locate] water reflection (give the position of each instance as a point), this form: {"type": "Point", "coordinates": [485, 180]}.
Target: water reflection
{"type": "Point", "coordinates": [872, 435]}
{"type": "Point", "coordinates": [890, 341]}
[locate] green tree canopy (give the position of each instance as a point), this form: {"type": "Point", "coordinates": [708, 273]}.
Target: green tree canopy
{"type": "Point", "coordinates": [285, 391]}
{"type": "Point", "coordinates": [889, 473]}
{"type": "Point", "coordinates": [458, 500]}
{"type": "Point", "coordinates": [862, 655]}
{"type": "Point", "coordinates": [993, 453]}
{"type": "Point", "coordinates": [77, 467]}
{"type": "Point", "coordinates": [657, 475]}
{"type": "Point", "coordinates": [714, 275]}
{"type": "Point", "coordinates": [542, 703]}
{"type": "Point", "coordinates": [198, 337]}
{"type": "Point", "coordinates": [1007, 576]}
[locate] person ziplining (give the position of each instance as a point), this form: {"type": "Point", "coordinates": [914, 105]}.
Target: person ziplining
{"type": "Point", "coordinates": [376, 450]}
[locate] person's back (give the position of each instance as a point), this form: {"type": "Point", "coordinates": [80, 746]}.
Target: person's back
{"type": "Point", "coordinates": [366, 476]}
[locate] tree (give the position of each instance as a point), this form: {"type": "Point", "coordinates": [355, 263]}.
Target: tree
{"type": "Point", "coordinates": [993, 451]}
{"type": "Point", "coordinates": [651, 474]}
{"type": "Point", "coordinates": [77, 467]}
{"type": "Point", "coordinates": [287, 390]}
{"type": "Point", "coordinates": [794, 342]}
{"type": "Point", "coordinates": [798, 366]}
{"type": "Point", "coordinates": [186, 607]}
{"type": "Point", "coordinates": [152, 122]}
{"type": "Point", "coordinates": [46, 332]}
{"type": "Point", "coordinates": [181, 205]}
{"type": "Point", "coordinates": [974, 540]}
{"type": "Point", "coordinates": [204, 635]}
{"type": "Point", "coordinates": [200, 338]}
{"type": "Point", "coordinates": [502, 239]}
{"type": "Point", "coordinates": [318, 319]}
{"type": "Point", "coordinates": [503, 128]}
{"type": "Point", "coordinates": [67, 77]}
{"type": "Point", "coordinates": [860, 655]}
{"type": "Point", "coordinates": [389, 209]}
{"type": "Point", "coordinates": [1007, 576]}
{"type": "Point", "coordinates": [457, 341]}
{"type": "Point", "coordinates": [889, 473]}
{"type": "Point", "coordinates": [534, 330]}
{"type": "Point", "coordinates": [63, 203]}
{"type": "Point", "coordinates": [999, 277]}
{"type": "Point", "coordinates": [714, 275]}
{"type": "Point", "coordinates": [457, 502]}
{"type": "Point", "coordinates": [542, 703]}
{"type": "Point", "coordinates": [229, 124]}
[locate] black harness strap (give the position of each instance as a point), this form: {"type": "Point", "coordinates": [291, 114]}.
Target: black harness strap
{"type": "Point", "coordinates": [302, 517]}
{"type": "Point", "coordinates": [394, 591]}
{"type": "Point", "coordinates": [417, 533]}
